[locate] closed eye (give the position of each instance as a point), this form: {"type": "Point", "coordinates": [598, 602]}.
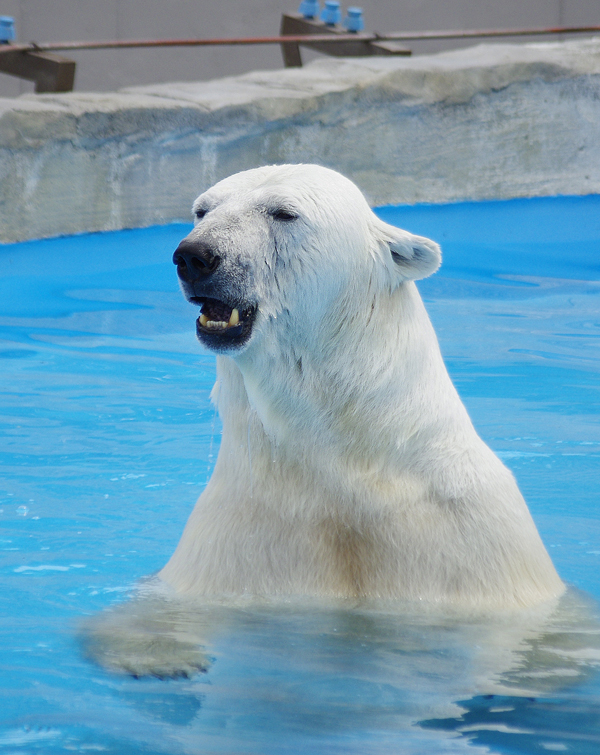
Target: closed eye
{"type": "Point", "coordinates": [283, 215]}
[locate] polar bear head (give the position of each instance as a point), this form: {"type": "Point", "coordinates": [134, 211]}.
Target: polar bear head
{"type": "Point", "coordinates": [288, 240]}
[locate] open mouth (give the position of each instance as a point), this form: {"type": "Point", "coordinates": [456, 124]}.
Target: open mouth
{"type": "Point", "coordinates": [222, 326]}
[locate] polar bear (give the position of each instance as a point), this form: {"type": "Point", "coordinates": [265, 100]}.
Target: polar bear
{"type": "Point", "coordinates": [348, 465]}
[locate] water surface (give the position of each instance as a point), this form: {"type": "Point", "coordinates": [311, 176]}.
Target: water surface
{"type": "Point", "coordinates": [108, 437]}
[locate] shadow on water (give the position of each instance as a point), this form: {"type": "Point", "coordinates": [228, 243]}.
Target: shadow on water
{"type": "Point", "coordinates": [524, 725]}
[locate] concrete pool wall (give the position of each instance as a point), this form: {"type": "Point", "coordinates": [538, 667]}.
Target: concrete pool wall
{"type": "Point", "coordinates": [488, 122]}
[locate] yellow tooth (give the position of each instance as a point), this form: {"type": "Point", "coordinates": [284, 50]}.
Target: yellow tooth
{"type": "Point", "coordinates": [203, 320]}
{"type": "Point", "coordinates": [234, 319]}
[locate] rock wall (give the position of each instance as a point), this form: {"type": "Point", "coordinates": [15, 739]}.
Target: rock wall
{"type": "Point", "coordinates": [488, 122]}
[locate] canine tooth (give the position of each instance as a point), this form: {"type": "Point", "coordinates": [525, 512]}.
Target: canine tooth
{"type": "Point", "coordinates": [234, 319]}
{"type": "Point", "coordinates": [203, 320]}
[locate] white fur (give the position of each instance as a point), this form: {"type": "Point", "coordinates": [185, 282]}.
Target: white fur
{"type": "Point", "coordinates": [348, 464]}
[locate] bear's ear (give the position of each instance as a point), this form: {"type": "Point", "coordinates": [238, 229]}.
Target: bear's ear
{"type": "Point", "coordinates": [411, 257]}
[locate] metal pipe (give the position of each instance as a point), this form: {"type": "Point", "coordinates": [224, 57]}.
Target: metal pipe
{"type": "Point", "coordinates": [475, 33]}
{"type": "Point", "coordinates": [300, 38]}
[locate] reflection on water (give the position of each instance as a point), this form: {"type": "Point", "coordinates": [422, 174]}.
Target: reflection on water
{"type": "Point", "coordinates": [108, 437]}
{"type": "Point", "coordinates": [361, 677]}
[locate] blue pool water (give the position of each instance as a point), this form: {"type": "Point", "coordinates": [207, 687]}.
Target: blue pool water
{"type": "Point", "coordinates": [108, 437]}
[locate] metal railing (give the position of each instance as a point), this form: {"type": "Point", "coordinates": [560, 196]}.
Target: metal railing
{"type": "Point", "coordinates": [52, 73]}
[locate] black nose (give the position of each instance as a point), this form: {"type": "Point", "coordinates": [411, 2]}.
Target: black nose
{"type": "Point", "coordinates": [194, 260]}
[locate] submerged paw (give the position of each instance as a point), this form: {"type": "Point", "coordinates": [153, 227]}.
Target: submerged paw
{"type": "Point", "coordinates": [141, 653]}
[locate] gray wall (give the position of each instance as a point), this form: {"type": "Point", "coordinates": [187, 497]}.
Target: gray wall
{"type": "Point", "coordinates": [489, 122]}
{"type": "Point", "coordinates": [70, 20]}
